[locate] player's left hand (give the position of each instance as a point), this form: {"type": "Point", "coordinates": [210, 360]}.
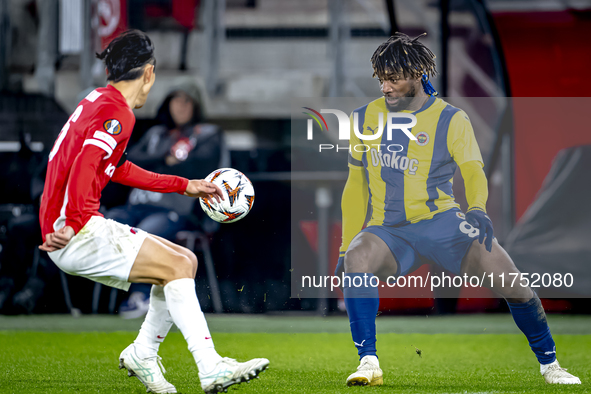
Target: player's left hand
{"type": "Point", "coordinates": [57, 240]}
{"type": "Point", "coordinates": [482, 222]}
{"type": "Point", "coordinates": [200, 188]}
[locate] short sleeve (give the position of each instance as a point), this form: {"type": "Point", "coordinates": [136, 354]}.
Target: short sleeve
{"type": "Point", "coordinates": [110, 127]}
{"type": "Point", "coordinates": [461, 141]}
{"type": "Point", "coordinates": [355, 155]}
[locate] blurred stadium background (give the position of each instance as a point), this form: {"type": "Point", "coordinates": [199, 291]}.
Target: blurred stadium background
{"type": "Point", "coordinates": [249, 58]}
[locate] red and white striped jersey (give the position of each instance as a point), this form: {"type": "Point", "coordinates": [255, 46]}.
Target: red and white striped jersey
{"type": "Point", "coordinates": [86, 155]}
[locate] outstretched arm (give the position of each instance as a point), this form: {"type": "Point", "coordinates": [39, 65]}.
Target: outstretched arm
{"type": "Point", "coordinates": [131, 175]}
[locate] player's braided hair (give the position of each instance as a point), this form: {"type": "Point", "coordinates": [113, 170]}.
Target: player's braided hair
{"type": "Point", "coordinates": [401, 55]}
{"type": "Point", "coordinates": [126, 56]}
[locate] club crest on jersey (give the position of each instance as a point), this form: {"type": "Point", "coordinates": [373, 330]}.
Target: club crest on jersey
{"type": "Point", "coordinates": [112, 126]}
{"type": "Point", "coordinates": [422, 138]}
{"type": "Point", "coordinates": [460, 215]}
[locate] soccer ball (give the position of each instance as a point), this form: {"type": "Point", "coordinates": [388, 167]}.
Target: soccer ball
{"type": "Point", "coordinates": [238, 196]}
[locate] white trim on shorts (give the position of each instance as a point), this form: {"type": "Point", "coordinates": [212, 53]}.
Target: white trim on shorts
{"type": "Point", "coordinates": [103, 251]}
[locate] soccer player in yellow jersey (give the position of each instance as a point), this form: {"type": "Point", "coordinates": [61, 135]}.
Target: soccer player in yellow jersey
{"type": "Point", "coordinates": [415, 219]}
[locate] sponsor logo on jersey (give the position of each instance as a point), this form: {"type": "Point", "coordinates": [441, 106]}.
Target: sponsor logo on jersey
{"type": "Point", "coordinates": [110, 170]}
{"type": "Point", "coordinates": [112, 126]}
{"type": "Point", "coordinates": [393, 160]}
{"type": "Point", "coordinates": [135, 231]}
{"type": "Point", "coordinates": [422, 138]}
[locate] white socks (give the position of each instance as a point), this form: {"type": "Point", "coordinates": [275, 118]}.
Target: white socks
{"type": "Point", "coordinates": [544, 367]}
{"type": "Point", "coordinates": [177, 302]}
{"type": "Point", "coordinates": [155, 326]}
{"type": "Point", "coordinates": [374, 360]}
{"type": "Point", "coordinates": [186, 313]}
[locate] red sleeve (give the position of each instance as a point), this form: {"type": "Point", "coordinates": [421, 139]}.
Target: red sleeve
{"type": "Point", "coordinates": [131, 175]}
{"type": "Point", "coordinates": [82, 185]}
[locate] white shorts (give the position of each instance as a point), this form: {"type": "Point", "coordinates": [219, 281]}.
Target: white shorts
{"type": "Point", "coordinates": [103, 251]}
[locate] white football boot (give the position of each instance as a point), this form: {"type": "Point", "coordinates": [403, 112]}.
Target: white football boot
{"type": "Point", "coordinates": [368, 373]}
{"type": "Point", "coordinates": [147, 370]}
{"type": "Point", "coordinates": [554, 374]}
{"type": "Point", "coordinates": [228, 372]}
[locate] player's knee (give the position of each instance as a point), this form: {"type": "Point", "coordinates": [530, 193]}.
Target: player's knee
{"type": "Point", "coordinates": [356, 260]}
{"type": "Point", "coordinates": [181, 267]}
{"type": "Point", "coordinates": [193, 259]}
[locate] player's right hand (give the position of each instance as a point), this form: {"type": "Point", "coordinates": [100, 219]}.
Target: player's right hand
{"type": "Point", "coordinates": [203, 189]}
{"type": "Point", "coordinates": [57, 240]}
{"type": "Point", "coordinates": [480, 220]}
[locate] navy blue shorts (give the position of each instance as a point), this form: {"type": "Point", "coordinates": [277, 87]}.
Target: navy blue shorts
{"type": "Point", "coordinates": [443, 240]}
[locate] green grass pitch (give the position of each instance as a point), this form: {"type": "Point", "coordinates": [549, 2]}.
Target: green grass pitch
{"type": "Point", "coordinates": [460, 354]}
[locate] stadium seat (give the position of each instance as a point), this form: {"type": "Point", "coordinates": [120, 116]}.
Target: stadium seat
{"type": "Point", "coordinates": [64, 281]}
{"type": "Point", "coordinates": [96, 296]}
{"type": "Point", "coordinates": [191, 238]}
{"type": "Point", "coordinates": [8, 211]}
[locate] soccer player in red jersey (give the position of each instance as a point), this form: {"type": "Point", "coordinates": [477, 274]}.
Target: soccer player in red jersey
{"type": "Point", "coordinates": [89, 152]}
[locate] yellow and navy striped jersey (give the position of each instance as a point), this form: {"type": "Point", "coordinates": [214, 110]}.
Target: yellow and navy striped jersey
{"type": "Point", "coordinates": [411, 180]}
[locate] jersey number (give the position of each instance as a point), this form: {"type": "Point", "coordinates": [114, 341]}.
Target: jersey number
{"type": "Point", "coordinates": [469, 230]}
{"type": "Point", "coordinates": [64, 131]}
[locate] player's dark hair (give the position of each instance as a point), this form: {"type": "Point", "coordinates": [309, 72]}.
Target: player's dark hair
{"type": "Point", "coordinates": [126, 56]}
{"type": "Point", "coordinates": [401, 55]}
